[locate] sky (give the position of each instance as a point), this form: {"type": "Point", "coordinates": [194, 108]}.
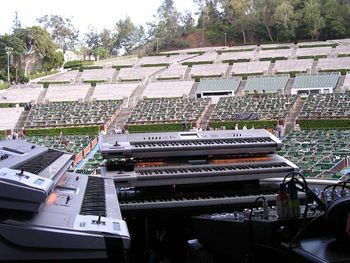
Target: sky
{"type": "Point", "coordinates": [99, 13]}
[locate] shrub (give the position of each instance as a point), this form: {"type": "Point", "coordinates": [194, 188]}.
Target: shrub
{"type": "Point", "coordinates": [77, 63]}
{"type": "Point", "coordinates": [161, 127]}
{"type": "Point", "coordinates": [82, 130]}
{"type": "Point", "coordinates": [323, 124]}
{"type": "Point", "coordinates": [118, 67]}
{"type": "Point", "coordinates": [189, 63]}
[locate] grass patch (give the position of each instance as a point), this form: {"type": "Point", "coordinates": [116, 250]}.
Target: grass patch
{"type": "Point", "coordinates": [273, 59]}
{"type": "Point", "coordinates": [318, 45]}
{"type": "Point", "coordinates": [343, 55]}
{"type": "Point", "coordinates": [291, 73]}
{"type": "Point", "coordinates": [118, 67]}
{"type": "Point", "coordinates": [91, 67]}
{"type": "Point", "coordinates": [234, 50]}
{"type": "Point", "coordinates": [278, 47]}
{"type": "Point", "coordinates": [317, 57]}
{"type": "Point", "coordinates": [198, 78]}
{"type": "Point", "coordinates": [231, 61]}
{"type": "Point", "coordinates": [170, 78]}
{"type": "Point", "coordinates": [190, 64]}
{"type": "Point", "coordinates": [155, 65]}
{"type": "Point", "coordinates": [77, 63]}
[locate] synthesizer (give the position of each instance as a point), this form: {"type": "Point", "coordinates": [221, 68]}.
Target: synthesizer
{"type": "Point", "coordinates": [28, 173]}
{"type": "Point", "coordinates": [81, 219]}
{"type": "Point", "coordinates": [175, 171]}
{"type": "Point", "coordinates": [48, 213]}
{"type": "Point", "coordinates": [167, 144]}
{"type": "Point", "coordinates": [209, 197]}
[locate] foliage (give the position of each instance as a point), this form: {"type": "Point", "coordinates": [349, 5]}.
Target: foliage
{"type": "Point", "coordinates": [4, 85]}
{"type": "Point", "coordinates": [42, 74]}
{"type": "Point", "coordinates": [54, 61]}
{"type": "Point", "coordinates": [325, 123]}
{"type": "Point", "coordinates": [77, 63]}
{"type": "Point", "coordinates": [2, 134]}
{"type": "Point", "coordinates": [61, 29]}
{"type": "Point", "coordinates": [65, 130]}
{"type": "Point", "coordinates": [160, 127]}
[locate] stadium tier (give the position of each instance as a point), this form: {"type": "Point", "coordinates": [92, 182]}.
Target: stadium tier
{"type": "Point", "coordinates": [66, 77]}
{"type": "Point", "coordinates": [253, 67]}
{"type": "Point", "coordinates": [312, 44]}
{"type": "Point", "coordinates": [116, 91]}
{"type": "Point", "coordinates": [156, 60]}
{"type": "Point", "coordinates": [293, 65]}
{"type": "Point", "coordinates": [139, 74]}
{"type": "Point", "coordinates": [237, 48]}
{"type": "Point", "coordinates": [206, 58]}
{"type": "Point", "coordinates": [56, 93]}
{"type": "Point", "coordinates": [320, 153]}
{"type": "Point", "coordinates": [217, 87]}
{"type": "Point", "coordinates": [253, 107]}
{"type": "Point", "coordinates": [266, 84]}
{"type": "Point", "coordinates": [328, 64]}
{"type": "Point", "coordinates": [20, 94]}
{"type": "Point", "coordinates": [168, 110]}
{"type": "Point", "coordinates": [164, 89]}
{"type": "Point", "coordinates": [9, 118]}
{"type": "Point", "coordinates": [342, 50]}
{"type": "Point", "coordinates": [104, 75]}
{"type": "Point", "coordinates": [173, 72]}
{"type": "Point", "coordinates": [313, 52]}
{"type": "Point", "coordinates": [215, 70]}
{"type": "Point", "coordinates": [276, 46]}
{"type": "Point", "coordinates": [237, 56]}
{"type": "Point", "coordinates": [125, 62]}
{"type": "Point", "coordinates": [275, 54]}
{"type": "Point", "coordinates": [313, 84]}
{"type": "Point", "coordinates": [72, 114]}
{"type": "Point", "coordinates": [326, 106]}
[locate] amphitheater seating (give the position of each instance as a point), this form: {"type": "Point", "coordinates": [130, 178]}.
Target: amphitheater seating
{"type": "Point", "coordinates": [333, 63]}
{"type": "Point", "coordinates": [168, 110]}
{"type": "Point", "coordinates": [237, 56]}
{"type": "Point", "coordinates": [342, 50]}
{"type": "Point", "coordinates": [275, 54]}
{"type": "Point", "coordinates": [163, 89]}
{"type": "Point", "coordinates": [155, 60]}
{"type": "Point", "coordinates": [9, 117]}
{"type": "Point", "coordinates": [68, 143]}
{"type": "Point", "coordinates": [206, 58]}
{"type": "Point", "coordinates": [209, 70]}
{"type": "Point", "coordinates": [268, 84]}
{"type": "Point", "coordinates": [92, 166]}
{"type": "Point", "coordinates": [317, 151]}
{"type": "Point", "coordinates": [174, 72]}
{"type": "Point", "coordinates": [105, 74]}
{"type": "Point", "coordinates": [276, 46]}
{"type": "Point", "coordinates": [326, 106]}
{"type": "Point", "coordinates": [236, 48]}
{"type": "Point", "coordinates": [253, 67]}
{"type": "Point", "coordinates": [116, 91]}
{"type": "Point", "coordinates": [57, 93]}
{"type": "Point", "coordinates": [137, 73]}
{"type": "Point", "coordinates": [311, 44]}
{"type": "Point", "coordinates": [66, 77]}
{"type": "Point", "coordinates": [253, 107]}
{"type": "Point", "coordinates": [313, 52]}
{"type": "Point", "coordinates": [126, 62]}
{"type": "Point", "coordinates": [326, 80]}
{"type": "Point", "coordinates": [20, 95]}
{"type": "Point", "coordinates": [213, 86]}
{"type": "Point", "coordinates": [293, 65]}
{"type": "Point", "coordinates": [71, 114]}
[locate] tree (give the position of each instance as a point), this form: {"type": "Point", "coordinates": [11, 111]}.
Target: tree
{"type": "Point", "coordinates": [62, 30]}
{"type": "Point", "coordinates": [285, 21]}
{"type": "Point", "coordinates": [128, 36]}
{"type": "Point", "coordinates": [187, 23]}
{"type": "Point", "coordinates": [55, 60]}
{"type": "Point", "coordinates": [313, 18]}
{"type": "Point", "coordinates": [239, 13]}
{"type": "Point", "coordinates": [334, 20]}
{"type": "Point", "coordinates": [266, 10]}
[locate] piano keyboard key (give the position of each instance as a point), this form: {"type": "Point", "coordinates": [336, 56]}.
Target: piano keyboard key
{"type": "Point", "coordinates": [94, 202]}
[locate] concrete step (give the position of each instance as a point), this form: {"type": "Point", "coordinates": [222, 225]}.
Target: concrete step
{"type": "Point", "coordinates": [205, 121]}
{"type": "Point", "coordinates": [42, 95]}
{"type": "Point", "coordinates": [21, 121]}
{"type": "Point", "coordinates": [89, 94]}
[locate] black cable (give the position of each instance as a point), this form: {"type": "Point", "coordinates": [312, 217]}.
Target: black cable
{"type": "Point", "coordinates": [250, 230]}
